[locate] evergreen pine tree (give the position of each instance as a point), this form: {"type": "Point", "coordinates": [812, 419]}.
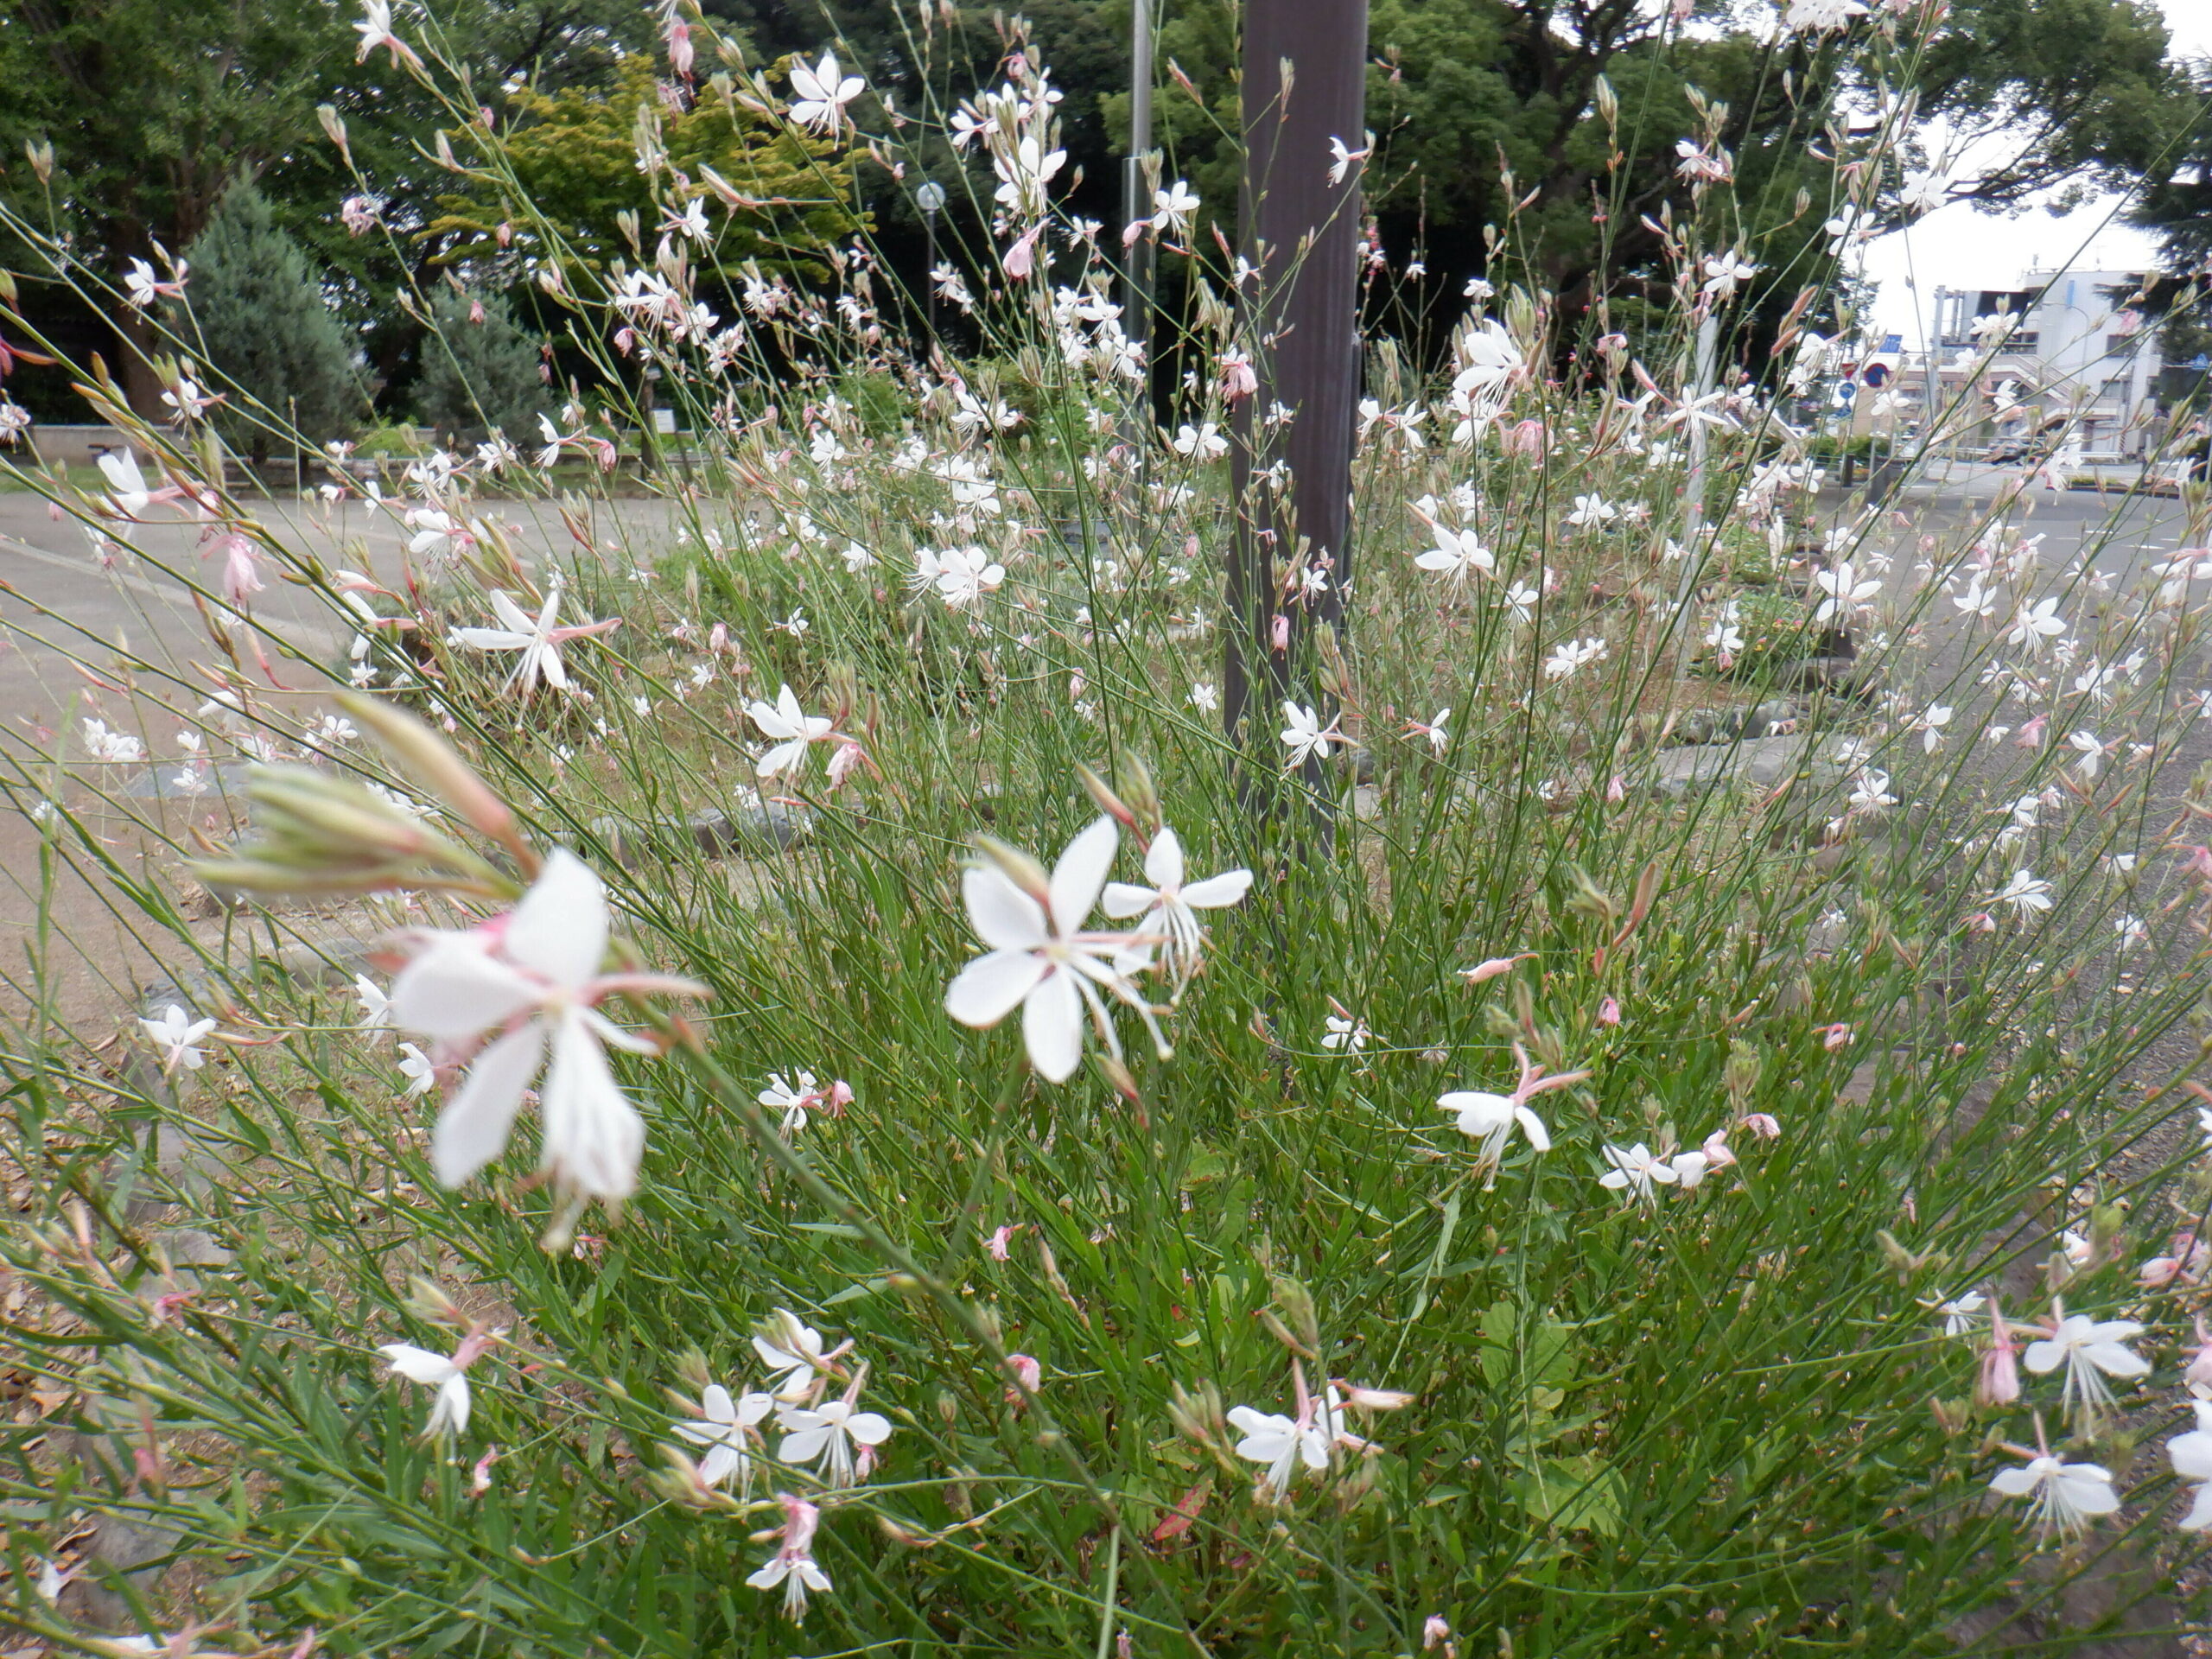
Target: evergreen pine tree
{"type": "Point", "coordinates": [479, 376]}
{"type": "Point", "coordinates": [266, 332]}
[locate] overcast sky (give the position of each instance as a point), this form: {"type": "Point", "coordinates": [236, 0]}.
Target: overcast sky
{"type": "Point", "coordinates": [1956, 247]}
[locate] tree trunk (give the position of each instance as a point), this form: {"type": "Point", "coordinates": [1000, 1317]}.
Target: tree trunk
{"type": "Point", "coordinates": [1305, 85]}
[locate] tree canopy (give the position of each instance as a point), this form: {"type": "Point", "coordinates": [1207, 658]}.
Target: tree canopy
{"type": "Point", "coordinates": [571, 172]}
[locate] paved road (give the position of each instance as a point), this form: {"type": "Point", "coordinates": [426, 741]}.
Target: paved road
{"type": "Point", "coordinates": [67, 625]}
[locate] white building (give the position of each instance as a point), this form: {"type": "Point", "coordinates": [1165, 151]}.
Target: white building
{"type": "Point", "coordinates": [2079, 361]}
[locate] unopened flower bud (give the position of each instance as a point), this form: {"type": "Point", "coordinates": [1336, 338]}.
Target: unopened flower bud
{"type": "Point", "coordinates": [1297, 1304]}
{"type": "Point", "coordinates": [435, 765]}
{"type": "Point", "coordinates": [1493, 967]}
{"type": "Point", "coordinates": [333, 127]}
{"type": "Point", "coordinates": [427, 1301]}
{"type": "Point", "coordinates": [1025, 871]}
{"type": "Point", "coordinates": [1373, 1399]}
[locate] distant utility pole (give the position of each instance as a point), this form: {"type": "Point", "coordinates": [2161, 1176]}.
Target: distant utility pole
{"type": "Point", "coordinates": [1136, 199]}
{"type": "Point", "coordinates": [1304, 100]}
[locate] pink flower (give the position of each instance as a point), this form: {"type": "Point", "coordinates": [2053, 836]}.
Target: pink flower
{"type": "Point", "coordinates": [1609, 1012]}
{"type": "Point", "coordinates": [2196, 1377]}
{"type": "Point", "coordinates": [1834, 1037]}
{"type": "Point", "coordinates": [996, 1244]}
{"type": "Point", "coordinates": [1762, 1124]}
{"type": "Point", "coordinates": [794, 1565]}
{"type": "Point", "coordinates": [1022, 258]}
{"type": "Point", "coordinates": [2000, 1372]}
{"type": "Point", "coordinates": [1028, 1375]}
{"type": "Point", "coordinates": [241, 574]}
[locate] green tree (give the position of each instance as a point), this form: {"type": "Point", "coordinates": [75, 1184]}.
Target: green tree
{"type": "Point", "coordinates": [2176, 200]}
{"type": "Point", "coordinates": [151, 106]}
{"type": "Point", "coordinates": [479, 371]}
{"type": "Point", "coordinates": [258, 311]}
{"type": "Point", "coordinates": [1465, 92]}
{"type": "Point", "coordinates": [572, 173]}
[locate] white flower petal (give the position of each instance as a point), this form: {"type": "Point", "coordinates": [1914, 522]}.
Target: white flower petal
{"type": "Point", "coordinates": [593, 1136]}
{"type": "Point", "coordinates": [1121, 901]}
{"type": "Point", "coordinates": [454, 988]}
{"type": "Point", "coordinates": [1218, 891]}
{"type": "Point", "coordinates": [1080, 874]}
{"type": "Point", "coordinates": [1052, 1025]}
{"type": "Point", "coordinates": [417, 1364]}
{"type": "Point", "coordinates": [868, 1428]}
{"type": "Point", "coordinates": [986, 990]}
{"type": "Point", "coordinates": [1003, 916]}
{"type": "Point", "coordinates": [473, 1127]}
{"type": "Point", "coordinates": [1163, 861]}
{"type": "Point", "coordinates": [559, 929]}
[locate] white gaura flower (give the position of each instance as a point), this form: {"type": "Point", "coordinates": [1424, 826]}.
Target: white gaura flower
{"type": "Point", "coordinates": [537, 637]}
{"type": "Point", "coordinates": [376, 1006]}
{"type": "Point", "coordinates": [794, 1565]}
{"type": "Point", "coordinates": [2034, 624]}
{"type": "Point", "coordinates": [819, 95]}
{"type": "Point", "coordinates": [1725, 273]}
{"type": "Point", "coordinates": [789, 1345]}
{"type": "Point", "coordinates": [1490, 1119]}
{"type": "Point", "coordinates": [1203, 443]}
{"type": "Point", "coordinates": [1170, 907]}
{"type": "Point", "coordinates": [1172, 208]}
{"type": "Point", "coordinates": [1635, 1171]}
{"type": "Point", "coordinates": [722, 1432]}
{"type": "Point", "coordinates": [177, 1035]}
{"type": "Point", "coordinates": [2024, 893]}
{"type": "Point", "coordinates": [829, 1432]}
{"type": "Point", "coordinates": [793, 730]}
{"type": "Point", "coordinates": [534, 977]}
{"type": "Point", "coordinates": [1573, 656]}
{"type": "Point", "coordinates": [2063, 1497]}
{"type": "Point", "coordinates": [2192, 1460]}
{"type": "Point", "coordinates": [420, 1071]}
{"type": "Point", "coordinates": [1041, 959]}
{"type": "Point", "coordinates": [964, 575]}
{"type": "Point", "coordinates": [450, 1411]}
{"type": "Point", "coordinates": [1847, 594]}
{"type": "Point", "coordinates": [1458, 556]}
{"type": "Point", "coordinates": [2091, 1349]}
{"type": "Point", "coordinates": [1282, 1443]}
{"type": "Point", "coordinates": [1306, 737]}
{"type": "Point", "coordinates": [1960, 1313]}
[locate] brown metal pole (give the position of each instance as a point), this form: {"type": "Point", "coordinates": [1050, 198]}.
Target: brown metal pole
{"type": "Point", "coordinates": [1305, 85]}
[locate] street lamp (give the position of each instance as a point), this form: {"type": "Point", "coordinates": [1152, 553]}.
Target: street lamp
{"type": "Point", "coordinates": [930, 199]}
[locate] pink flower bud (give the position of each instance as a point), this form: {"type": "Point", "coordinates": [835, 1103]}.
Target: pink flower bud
{"type": "Point", "coordinates": [1028, 1374]}
{"type": "Point", "coordinates": [996, 1244]}
{"type": "Point", "coordinates": [1835, 1036]}
{"type": "Point", "coordinates": [2197, 1376]}
{"type": "Point", "coordinates": [1762, 1124]}
{"type": "Point", "coordinates": [1493, 967]}
{"type": "Point", "coordinates": [1717, 1154]}
{"type": "Point", "coordinates": [2000, 1375]}
{"type": "Point", "coordinates": [1609, 1012]}
{"type": "Point", "coordinates": [1433, 1630]}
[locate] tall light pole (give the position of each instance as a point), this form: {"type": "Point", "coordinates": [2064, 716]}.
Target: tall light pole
{"type": "Point", "coordinates": [1305, 85]}
{"type": "Point", "coordinates": [1136, 201]}
{"type": "Point", "coordinates": [931, 200]}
